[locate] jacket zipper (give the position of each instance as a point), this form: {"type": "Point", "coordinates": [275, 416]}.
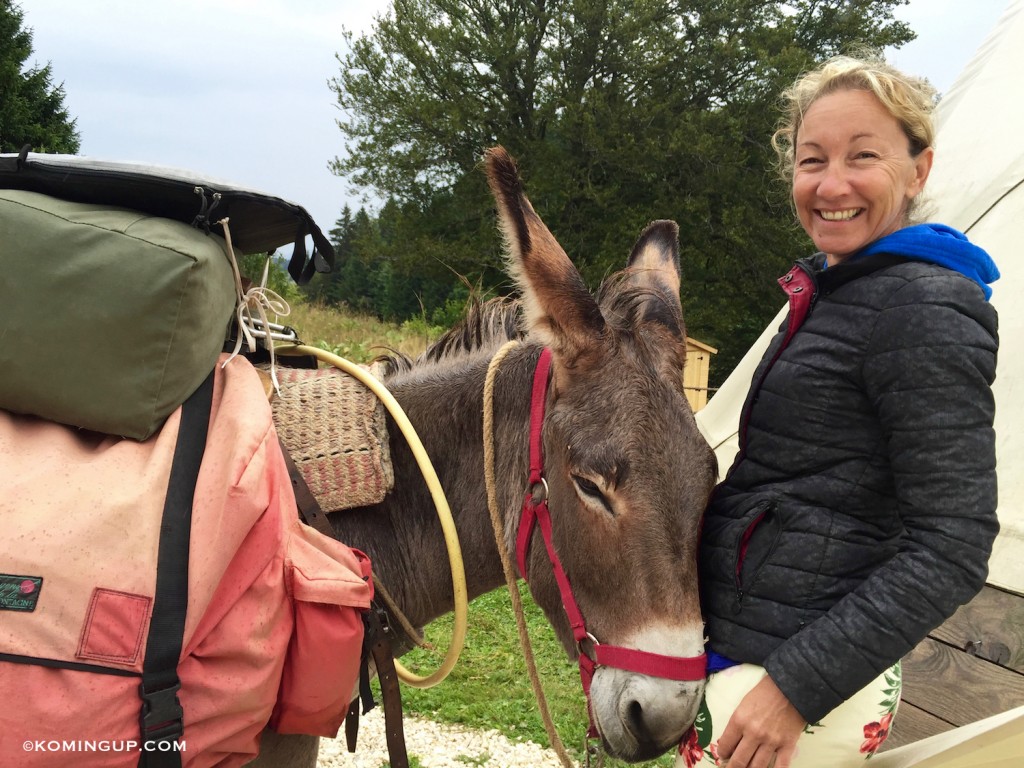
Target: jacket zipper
{"type": "Point", "coordinates": [802, 290]}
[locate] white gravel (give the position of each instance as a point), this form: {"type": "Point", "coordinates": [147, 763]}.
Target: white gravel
{"type": "Point", "coordinates": [435, 746]}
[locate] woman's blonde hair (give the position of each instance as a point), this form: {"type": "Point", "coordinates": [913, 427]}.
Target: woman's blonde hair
{"type": "Point", "coordinates": [910, 100]}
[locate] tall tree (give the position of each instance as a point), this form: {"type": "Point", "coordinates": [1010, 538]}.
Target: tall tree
{"type": "Point", "coordinates": [620, 111]}
{"type": "Point", "coordinates": [32, 108]}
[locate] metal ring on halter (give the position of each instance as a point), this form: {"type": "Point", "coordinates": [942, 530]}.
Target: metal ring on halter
{"type": "Point", "coordinates": [593, 641]}
{"type": "Point", "coordinates": [536, 497]}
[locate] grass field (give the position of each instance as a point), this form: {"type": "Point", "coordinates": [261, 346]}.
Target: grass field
{"type": "Point", "coordinates": [489, 687]}
{"type": "Point", "coordinates": [358, 338]}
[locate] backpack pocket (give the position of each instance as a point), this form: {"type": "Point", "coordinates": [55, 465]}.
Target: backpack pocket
{"type": "Point", "coordinates": [330, 588]}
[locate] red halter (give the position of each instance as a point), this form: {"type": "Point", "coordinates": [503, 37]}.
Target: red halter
{"type": "Point", "coordinates": [535, 510]}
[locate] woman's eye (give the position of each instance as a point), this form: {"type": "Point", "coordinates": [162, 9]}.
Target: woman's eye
{"type": "Point", "coordinates": [866, 155]}
{"type": "Point", "coordinates": [809, 161]}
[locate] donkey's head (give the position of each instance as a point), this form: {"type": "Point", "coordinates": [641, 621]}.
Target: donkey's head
{"type": "Point", "coordinates": [628, 472]}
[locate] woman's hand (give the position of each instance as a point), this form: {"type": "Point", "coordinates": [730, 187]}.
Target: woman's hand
{"type": "Point", "coordinates": [763, 730]}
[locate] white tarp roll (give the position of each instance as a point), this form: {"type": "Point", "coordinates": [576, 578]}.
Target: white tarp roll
{"type": "Point", "coordinates": [995, 742]}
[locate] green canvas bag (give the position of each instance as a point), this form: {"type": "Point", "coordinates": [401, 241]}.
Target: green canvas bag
{"type": "Point", "coordinates": [111, 317]}
{"type": "Point", "coordinates": [259, 222]}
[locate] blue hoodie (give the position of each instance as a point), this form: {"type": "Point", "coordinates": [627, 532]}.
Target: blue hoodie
{"type": "Point", "coordinates": [942, 245]}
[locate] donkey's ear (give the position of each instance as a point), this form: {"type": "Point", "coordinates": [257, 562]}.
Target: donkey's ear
{"type": "Point", "coordinates": [654, 266]}
{"type": "Point", "coordinates": [559, 308]}
{"type": "Point", "coordinates": [655, 257]}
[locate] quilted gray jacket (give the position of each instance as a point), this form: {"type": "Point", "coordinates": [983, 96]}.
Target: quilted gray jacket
{"type": "Point", "coordinates": [860, 512]}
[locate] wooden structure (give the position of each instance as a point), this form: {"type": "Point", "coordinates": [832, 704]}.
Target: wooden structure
{"type": "Point", "coordinates": [695, 374]}
{"type": "Point", "coordinates": [968, 669]}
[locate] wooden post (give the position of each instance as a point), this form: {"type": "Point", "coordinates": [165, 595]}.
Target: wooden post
{"type": "Point", "coordinates": [695, 374]}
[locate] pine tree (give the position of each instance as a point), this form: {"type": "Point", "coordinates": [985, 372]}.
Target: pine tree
{"type": "Point", "coordinates": [32, 108]}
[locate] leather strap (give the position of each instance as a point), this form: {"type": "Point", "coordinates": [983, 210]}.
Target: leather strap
{"type": "Point", "coordinates": [309, 508]}
{"type": "Point", "coordinates": [377, 643]}
{"type": "Point", "coordinates": [390, 693]}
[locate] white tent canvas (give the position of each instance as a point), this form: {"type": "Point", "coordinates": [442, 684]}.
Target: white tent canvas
{"type": "Point", "coordinates": [977, 186]}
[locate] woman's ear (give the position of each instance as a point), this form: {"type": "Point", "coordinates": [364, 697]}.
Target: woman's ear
{"type": "Point", "coordinates": [922, 167]}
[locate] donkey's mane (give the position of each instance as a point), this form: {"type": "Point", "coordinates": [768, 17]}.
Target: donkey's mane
{"type": "Point", "coordinates": [488, 324]}
{"type": "Point", "coordinates": [485, 326]}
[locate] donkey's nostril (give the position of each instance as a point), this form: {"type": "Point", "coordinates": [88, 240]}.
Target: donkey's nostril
{"type": "Point", "coordinates": [641, 727]}
{"type": "Point", "coordinates": [636, 716]}
{"type": "Point", "coordinates": [636, 722]}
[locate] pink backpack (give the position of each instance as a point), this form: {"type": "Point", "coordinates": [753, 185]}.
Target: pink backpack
{"type": "Point", "coordinates": [160, 602]}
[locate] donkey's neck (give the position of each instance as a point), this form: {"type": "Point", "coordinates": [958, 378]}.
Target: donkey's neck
{"type": "Point", "coordinates": [402, 536]}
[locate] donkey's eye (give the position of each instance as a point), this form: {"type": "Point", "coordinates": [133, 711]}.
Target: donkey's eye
{"type": "Point", "coordinates": [589, 487]}
{"type": "Point", "coordinates": [590, 490]}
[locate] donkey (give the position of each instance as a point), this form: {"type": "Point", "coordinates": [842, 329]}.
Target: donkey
{"type": "Point", "coordinates": [628, 472]}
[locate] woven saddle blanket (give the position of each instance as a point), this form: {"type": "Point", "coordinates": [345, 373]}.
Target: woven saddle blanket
{"type": "Point", "coordinates": [336, 432]}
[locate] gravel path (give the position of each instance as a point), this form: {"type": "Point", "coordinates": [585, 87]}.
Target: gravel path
{"type": "Point", "coordinates": [435, 746]}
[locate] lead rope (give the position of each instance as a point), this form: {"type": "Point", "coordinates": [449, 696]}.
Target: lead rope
{"type": "Point", "coordinates": [506, 560]}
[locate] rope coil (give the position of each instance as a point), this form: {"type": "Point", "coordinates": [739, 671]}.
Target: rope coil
{"type": "Point", "coordinates": [259, 299]}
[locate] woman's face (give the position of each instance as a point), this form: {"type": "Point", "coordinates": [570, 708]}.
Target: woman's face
{"type": "Point", "coordinates": [853, 173]}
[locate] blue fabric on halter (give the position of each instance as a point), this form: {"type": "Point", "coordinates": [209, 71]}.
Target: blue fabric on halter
{"type": "Point", "coordinates": [942, 245]}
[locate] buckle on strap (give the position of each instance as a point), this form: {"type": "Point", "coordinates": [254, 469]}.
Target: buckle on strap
{"type": "Point", "coordinates": [162, 717]}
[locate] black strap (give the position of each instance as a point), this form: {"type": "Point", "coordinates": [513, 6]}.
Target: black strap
{"type": "Point", "coordinates": [161, 716]}
{"type": "Point", "coordinates": [390, 694]}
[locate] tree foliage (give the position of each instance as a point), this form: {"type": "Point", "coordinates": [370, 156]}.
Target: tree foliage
{"type": "Point", "coordinates": [619, 111]}
{"type": "Point", "coordinates": [32, 108]}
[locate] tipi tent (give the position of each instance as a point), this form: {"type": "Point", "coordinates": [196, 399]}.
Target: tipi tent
{"type": "Point", "coordinates": [977, 186]}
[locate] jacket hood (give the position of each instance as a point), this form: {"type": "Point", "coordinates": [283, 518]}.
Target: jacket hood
{"type": "Point", "coordinates": [942, 245]}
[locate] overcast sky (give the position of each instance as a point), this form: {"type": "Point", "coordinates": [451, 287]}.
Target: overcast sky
{"type": "Point", "coordinates": [237, 89]}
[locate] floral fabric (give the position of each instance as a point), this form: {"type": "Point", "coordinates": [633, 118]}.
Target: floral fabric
{"type": "Point", "coordinates": [845, 738]}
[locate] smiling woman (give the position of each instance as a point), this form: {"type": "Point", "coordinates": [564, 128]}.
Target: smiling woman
{"type": "Point", "coordinates": [856, 146]}
{"type": "Point", "coordinates": [860, 510]}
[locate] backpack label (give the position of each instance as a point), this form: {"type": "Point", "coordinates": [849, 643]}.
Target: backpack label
{"type": "Point", "coordinates": [19, 593]}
